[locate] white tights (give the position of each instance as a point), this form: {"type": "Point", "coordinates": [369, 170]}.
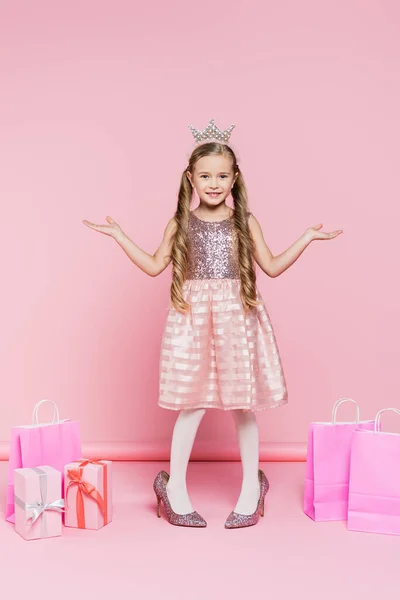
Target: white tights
{"type": "Point", "coordinates": [183, 437]}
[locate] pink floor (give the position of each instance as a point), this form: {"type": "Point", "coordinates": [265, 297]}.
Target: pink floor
{"type": "Point", "coordinates": [139, 556]}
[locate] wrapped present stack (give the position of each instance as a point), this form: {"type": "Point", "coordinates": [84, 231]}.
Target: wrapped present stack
{"type": "Point", "coordinates": [40, 508]}
{"type": "Point", "coordinates": [67, 489]}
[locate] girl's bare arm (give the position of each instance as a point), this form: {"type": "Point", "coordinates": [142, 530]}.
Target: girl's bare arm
{"type": "Point", "coordinates": [151, 264]}
{"type": "Point", "coordinates": [276, 265]}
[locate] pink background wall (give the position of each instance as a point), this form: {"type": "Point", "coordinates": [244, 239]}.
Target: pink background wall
{"type": "Point", "coordinates": [95, 102]}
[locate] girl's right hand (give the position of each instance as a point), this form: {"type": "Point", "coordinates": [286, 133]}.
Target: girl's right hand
{"type": "Point", "coordinates": [113, 229]}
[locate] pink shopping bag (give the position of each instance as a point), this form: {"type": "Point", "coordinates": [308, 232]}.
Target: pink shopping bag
{"type": "Point", "coordinates": [328, 465]}
{"type": "Point", "coordinates": [54, 444]}
{"type": "Point", "coordinates": [374, 486]}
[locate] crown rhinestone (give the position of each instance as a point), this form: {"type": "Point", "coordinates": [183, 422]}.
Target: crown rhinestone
{"type": "Point", "coordinates": [211, 132]}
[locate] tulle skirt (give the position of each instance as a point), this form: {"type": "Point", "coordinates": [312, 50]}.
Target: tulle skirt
{"type": "Point", "coordinates": [216, 356]}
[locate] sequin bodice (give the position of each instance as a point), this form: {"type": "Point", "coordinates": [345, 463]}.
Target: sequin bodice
{"type": "Point", "coordinates": [212, 249]}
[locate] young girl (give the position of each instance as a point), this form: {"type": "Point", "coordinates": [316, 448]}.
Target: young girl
{"type": "Point", "coordinates": [218, 348]}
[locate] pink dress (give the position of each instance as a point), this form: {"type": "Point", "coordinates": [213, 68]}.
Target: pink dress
{"type": "Point", "coordinates": [216, 356]}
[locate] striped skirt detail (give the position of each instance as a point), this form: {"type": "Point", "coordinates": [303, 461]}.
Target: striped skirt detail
{"type": "Point", "coordinates": [216, 356]}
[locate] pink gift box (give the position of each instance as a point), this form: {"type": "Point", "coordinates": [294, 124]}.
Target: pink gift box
{"type": "Point", "coordinates": [88, 493]}
{"type": "Point", "coordinates": [38, 502]}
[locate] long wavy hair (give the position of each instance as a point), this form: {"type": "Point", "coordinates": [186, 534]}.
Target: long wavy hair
{"type": "Point", "coordinates": [245, 241]}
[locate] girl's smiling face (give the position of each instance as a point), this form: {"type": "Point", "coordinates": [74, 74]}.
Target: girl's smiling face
{"type": "Point", "coordinates": [213, 178]}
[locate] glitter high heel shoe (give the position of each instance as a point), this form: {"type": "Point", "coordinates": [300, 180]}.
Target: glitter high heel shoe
{"type": "Point", "coordinates": [192, 519]}
{"type": "Point", "coordinates": [236, 520]}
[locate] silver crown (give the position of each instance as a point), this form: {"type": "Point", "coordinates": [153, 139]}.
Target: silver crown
{"type": "Point", "coordinates": [211, 133]}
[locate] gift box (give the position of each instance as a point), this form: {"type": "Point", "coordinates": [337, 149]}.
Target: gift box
{"type": "Point", "coordinates": [88, 494]}
{"type": "Point", "coordinates": [38, 502]}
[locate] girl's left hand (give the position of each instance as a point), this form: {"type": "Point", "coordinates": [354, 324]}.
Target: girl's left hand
{"type": "Point", "coordinates": [314, 233]}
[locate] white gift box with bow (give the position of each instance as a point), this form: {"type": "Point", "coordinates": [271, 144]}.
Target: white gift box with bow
{"type": "Point", "coordinates": [38, 502]}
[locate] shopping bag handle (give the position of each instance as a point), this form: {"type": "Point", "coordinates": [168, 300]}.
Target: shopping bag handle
{"type": "Point", "coordinates": [35, 413]}
{"type": "Point", "coordinates": [377, 426]}
{"type": "Point", "coordinates": [341, 401]}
